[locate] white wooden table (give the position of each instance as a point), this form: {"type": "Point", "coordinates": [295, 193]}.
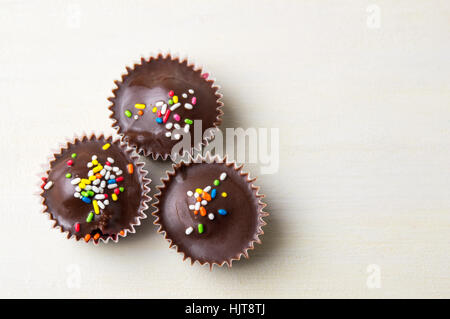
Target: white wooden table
{"type": "Point", "coordinates": [360, 92]}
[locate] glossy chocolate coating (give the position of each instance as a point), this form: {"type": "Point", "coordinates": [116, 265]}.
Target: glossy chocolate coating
{"type": "Point", "coordinates": [67, 210]}
{"type": "Point", "coordinates": [225, 237]}
{"type": "Point", "coordinates": [151, 82]}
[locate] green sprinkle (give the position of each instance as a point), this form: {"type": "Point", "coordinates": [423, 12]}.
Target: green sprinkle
{"type": "Point", "coordinates": [121, 189]}
{"type": "Point", "coordinates": [74, 155]}
{"type": "Point", "coordinates": [128, 113]}
{"type": "Point", "coordinates": [200, 228]}
{"type": "Point", "coordinates": [84, 194]}
{"type": "Point", "coordinates": [188, 121]}
{"type": "Point", "coordinates": [68, 175]}
{"type": "Point", "coordinates": [90, 216]}
{"type": "Point", "coordinates": [90, 193]}
{"type": "Point", "coordinates": [216, 182]}
{"type": "Point", "coordinates": [170, 102]}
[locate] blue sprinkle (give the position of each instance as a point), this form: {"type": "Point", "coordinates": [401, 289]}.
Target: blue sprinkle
{"type": "Point", "coordinates": [213, 193]}
{"type": "Point", "coordinates": [86, 200]}
{"type": "Point", "coordinates": [159, 120]}
{"type": "Point", "coordinates": [112, 181]}
{"type": "Point", "coordinates": [222, 212]}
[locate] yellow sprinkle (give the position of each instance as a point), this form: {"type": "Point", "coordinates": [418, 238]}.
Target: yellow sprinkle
{"type": "Point", "coordinates": [82, 185]}
{"type": "Point", "coordinates": [224, 194]}
{"type": "Point", "coordinates": [175, 99]}
{"type": "Point", "coordinates": [155, 109]}
{"type": "Point", "coordinates": [199, 190]}
{"type": "Point", "coordinates": [94, 162]}
{"type": "Point", "coordinates": [139, 106]}
{"type": "Point", "coordinates": [114, 196]}
{"type": "Point", "coordinates": [106, 146]}
{"type": "Point", "coordinates": [92, 178]}
{"type": "Point", "coordinates": [96, 209]}
{"type": "Point", "coordinates": [97, 169]}
{"type": "Point", "coordinates": [85, 181]}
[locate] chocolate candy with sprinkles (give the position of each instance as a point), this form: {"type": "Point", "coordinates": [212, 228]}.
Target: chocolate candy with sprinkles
{"type": "Point", "coordinates": [157, 102]}
{"type": "Point", "coordinates": [95, 189]}
{"type": "Point", "coordinates": [200, 221]}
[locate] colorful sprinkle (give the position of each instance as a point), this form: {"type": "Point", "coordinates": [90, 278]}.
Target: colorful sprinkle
{"type": "Point", "coordinates": [140, 112]}
{"type": "Point", "coordinates": [175, 99]}
{"type": "Point", "coordinates": [216, 182]}
{"type": "Point", "coordinates": [224, 194]}
{"type": "Point", "coordinates": [154, 109]}
{"type": "Point", "coordinates": [106, 146]}
{"type": "Point", "coordinates": [188, 121]}
{"type": "Point", "coordinates": [87, 237]}
{"type": "Point", "coordinates": [213, 193]}
{"type": "Point", "coordinates": [199, 190]}
{"type": "Point", "coordinates": [90, 217]}
{"type": "Point", "coordinates": [194, 100]}
{"type": "Point", "coordinates": [69, 163]}
{"type": "Point", "coordinates": [222, 212]}
{"type": "Point", "coordinates": [130, 168]}
{"type": "Point", "coordinates": [171, 93]}
{"type": "Point", "coordinates": [74, 155]}
{"type": "Point", "coordinates": [139, 106]}
{"type": "Point", "coordinates": [114, 197]}
{"type": "Point", "coordinates": [68, 175]}
{"type": "Point", "coordinates": [166, 116]}
{"type": "Point", "coordinates": [176, 117]}
{"type": "Point", "coordinates": [96, 209]}
{"type": "Point", "coordinates": [200, 228]}
{"type": "Point", "coordinates": [77, 227]}
{"type": "Point", "coordinates": [202, 211]}
{"type": "Point", "coordinates": [159, 120]}
{"type": "Point", "coordinates": [128, 113]}
{"type": "Point", "coordinates": [96, 236]}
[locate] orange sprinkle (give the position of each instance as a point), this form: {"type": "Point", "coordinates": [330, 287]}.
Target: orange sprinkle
{"type": "Point", "coordinates": [206, 196]}
{"type": "Point", "coordinates": [202, 211]}
{"type": "Point", "coordinates": [96, 236]}
{"type": "Point", "coordinates": [98, 175]}
{"type": "Point", "coordinates": [130, 168]}
{"type": "Point", "coordinates": [140, 112]}
{"type": "Point", "coordinates": [87, 237]}
{"type": "Point", "coordinates": [199, 199]}
{"type": "Point", "coordinates": [196, 212]}
{"type": "Point", "coordinates": [122, 232]}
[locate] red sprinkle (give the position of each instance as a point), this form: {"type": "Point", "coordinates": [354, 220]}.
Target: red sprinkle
{"type": "Point", "coordinates": [43, 185]}
{"type": "Point", "coordinates": [166, 116]}
{"type": "Point", "coordinates": [205, 75]}
{"type": "Point", "coordinates": [44, 179]}
{"type": "Point", "coordinates": [108, 163]}
{"type": "Point", "coordinates": [106, 195]}
{"type": "Point", "coordinates": [77, 227]}
{"type": "Point", "coordinates": [117, 191]}
{"type": "Point", "coordinates": [119, 179]}
{"type": "Point", "coordinates": [171, 93]}
{"type": "Point", "coordinates": [159, 113]}
{"type": "Point", "coordinates": [194, 100]}
{"type": "Point", "coordinates": [70, 162]}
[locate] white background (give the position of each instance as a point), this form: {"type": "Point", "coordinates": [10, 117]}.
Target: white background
{"type": "Point", "coordinates": [363, 108]}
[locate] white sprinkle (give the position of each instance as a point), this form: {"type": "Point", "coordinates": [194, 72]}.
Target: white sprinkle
{"type": "Point", "coordinates": [169, 125]}
{"type": "Point", "coordinates": [191, 91]}
{"type": "Point", "coordinates": [197, 206]}
{"type": "Point", "coordinates": [191, 207]}
{"type": "Point", "coordinates": [189, 230]}
{"type": "Point", "coordinates": [75, 181]}
{"type": "Point", "coordinates": [164, 109]}
{"type": "Point", "coordinates": [112, 176]}
{"type": "Point", "coordinates": [102, 190]}
{"type": "Point", "coordinates": [103, 172]}
{"type": "Point", "coordinates": [175, 106]}
{"type": "Point", "coordinates": [100, 204]}
{"type": "Point", "coordinates": [106, 202]}
{"type": "Point", "coordinates": [95, 189]}
{"type": "Point", "coordinates": [159, 103]}
{"type": "Point", "coordinates": [188, 106]}
{"type": "Point", "coordinates": [99, 196]}
{"type": "Point", "coordinates": [115, 169]}
{"type": "Point", "coordinates": [89, 165]}
{"type": "Point", "coordinates": [168, 134]}
{"type": "Point", "coordinates": [78, 189]}
{"type": "Point", "coordinates": [108, 173]}
{"type": "Point", "coordinates": [223, 176]}
{"type": "Point", "coordinates": [112, 186]}
{"type": "Point", "coordinates": [196, 195]}
{"type": "Point", "coordinates": [136, 117]}
{"type": "Point", "coordinates": [108, 168]}
{"type": "Point", "coordinates": [186, 128]}
{"type": "Point", "coordinates": [88, 187]}
{"type": "Point", "coordinates": [207, 189]}
{"type": "Point", "coordinates": [204, 202]}
{"type": "Point", "coordinates": [77, 195]}
{"type": "Point", "coordinates": [177, 136]}
{"type": "Point", "coordinates": [48, 185]}
{"type": "Point", "coordinates": [90, 173]}
{"type": "Point", "coordinates": [94, 157]}
{"type": "Point", "coordinates": [103, 184]}
{"type": "Point", "coordinates": [96, 182]}
{"type": "Point", "coordinates": [119, 173]}
{"type": "Point", "coordinates": [211, 216]}
{"type": "Point", "coordinates": [184, 95]}
{"type": "Point", "coordinates": [111, 160]}
{"type": "Point", "coordinates": [177, 126]}
{"type": "Point", "coordinates": [190, 193]}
